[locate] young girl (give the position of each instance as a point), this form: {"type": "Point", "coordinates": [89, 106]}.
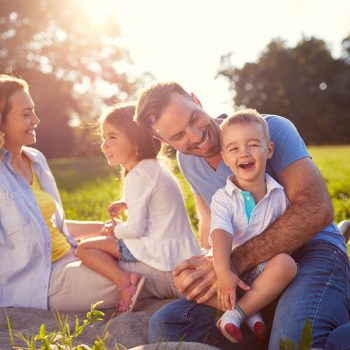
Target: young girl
{"type": "Point", "coordinates": [157, 231]}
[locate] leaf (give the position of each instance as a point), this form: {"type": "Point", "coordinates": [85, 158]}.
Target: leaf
{"type": "Point", "coordinates": [286, 344]}
{"type": "Point", "coordinates": [9, 327]}
{"type": "Point", "coordinates": [42, 331]}
{"type": "Point", "coordinates": [306, 338]}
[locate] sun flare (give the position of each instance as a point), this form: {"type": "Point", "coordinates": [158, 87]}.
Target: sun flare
{"type": "Point", "coordinates": [98, 10]}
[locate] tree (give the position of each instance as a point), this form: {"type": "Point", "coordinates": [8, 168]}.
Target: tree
{"type": "Point", "coordinates": [74, 66]}
{"type": "Point", "coordinates": [346, 48]}
{"type": "Point", "coordinates": [305, 84]}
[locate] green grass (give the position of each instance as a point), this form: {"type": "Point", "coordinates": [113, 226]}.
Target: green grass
{"type": "Point", "coordinates": [334, 164]}
{"type": "Point", "coordinates": [88, 185]}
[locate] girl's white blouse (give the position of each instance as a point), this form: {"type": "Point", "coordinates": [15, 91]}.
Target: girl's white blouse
{"type": "Point", "coordinates": [157, 231]}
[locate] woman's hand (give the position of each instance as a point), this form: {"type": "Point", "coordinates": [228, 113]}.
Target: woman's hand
{"type": "Point", "coordinates": [116, 208]}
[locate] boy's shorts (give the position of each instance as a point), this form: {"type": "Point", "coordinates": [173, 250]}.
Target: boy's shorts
{"type": "Point", "coordinates": [125, 254]}
{"type": "Point", "coordinates": [251, 275]}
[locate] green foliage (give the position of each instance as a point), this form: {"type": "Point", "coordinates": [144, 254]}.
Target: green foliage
{"type": "Point", "coordinates": [63, 337]}
{"type": "Point", "coordinates": [334, 164]}
{"type": "Point", "coordinates": [303, 83]}
{"type": "Point", "coordinates": [306, 340]}
{"type": "Point", "coordinates": [66, 58]}
{"type": "Point", "coordinates": [87, 186]}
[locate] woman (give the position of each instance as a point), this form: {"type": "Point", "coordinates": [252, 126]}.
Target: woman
{"type": "Point", "coordinates": [38, 267]}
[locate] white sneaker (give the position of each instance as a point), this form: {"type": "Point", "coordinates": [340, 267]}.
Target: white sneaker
{"type": "Point", "coordinates": [256, 325]}
{"type": "Point", "coordinates": [226, 325]}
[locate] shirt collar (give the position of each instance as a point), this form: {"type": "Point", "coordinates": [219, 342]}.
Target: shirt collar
{"type": "Point", "coordinates": [29, 152]}
{"type": "Point", "coordinates": [271, 184]}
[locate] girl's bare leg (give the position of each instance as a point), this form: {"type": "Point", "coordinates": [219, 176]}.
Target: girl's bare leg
{"type": "Point", "coordinates": [100, 254]}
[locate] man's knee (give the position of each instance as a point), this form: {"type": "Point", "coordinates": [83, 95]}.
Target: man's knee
{"type": "Point", "coordinates": [339, 338]}
{"type": "Point", "coordinates": [156, 326]}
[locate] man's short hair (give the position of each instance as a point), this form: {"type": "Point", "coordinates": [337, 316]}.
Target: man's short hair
{"type": "Point", "coordinates": [247, 116]}
{"type": "Point", "coordinates": [153, 100]}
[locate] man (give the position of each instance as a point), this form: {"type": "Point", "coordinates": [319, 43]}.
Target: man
{"type": "Point", "coordinates": [306, 231]}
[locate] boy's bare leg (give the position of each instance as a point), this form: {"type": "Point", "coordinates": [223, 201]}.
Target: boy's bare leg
{"type": "Point", "coordinates": [278, 273]}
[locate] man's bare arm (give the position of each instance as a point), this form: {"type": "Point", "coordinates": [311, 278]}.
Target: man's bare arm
{"type": "Point", "coordinates": [204, 221]}
{"type": "Point", "coordinates": [309, 211]}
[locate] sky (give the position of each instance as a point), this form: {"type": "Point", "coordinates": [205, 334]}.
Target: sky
{"type": "Point", "coordinates": [183, 40]}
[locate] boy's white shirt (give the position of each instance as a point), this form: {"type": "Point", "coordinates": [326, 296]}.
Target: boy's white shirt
{"type": "Point", "coordinates": [228, 211]}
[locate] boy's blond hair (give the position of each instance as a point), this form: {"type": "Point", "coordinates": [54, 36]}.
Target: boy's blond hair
{"type": "Point", "coordinates": [247, 116]}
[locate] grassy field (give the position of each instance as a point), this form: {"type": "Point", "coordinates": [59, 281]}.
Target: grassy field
{"type": "Point", "coordinates": [334, 164]}
{"type": "Point", "coordinates": [87, 186]}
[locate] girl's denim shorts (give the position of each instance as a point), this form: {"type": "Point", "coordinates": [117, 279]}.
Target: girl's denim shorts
{"type": "Point", "coordinates": [125, 254]}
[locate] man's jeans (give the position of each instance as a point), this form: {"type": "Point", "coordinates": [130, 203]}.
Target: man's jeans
{"type": "Point", "coordinates": [320, 292]}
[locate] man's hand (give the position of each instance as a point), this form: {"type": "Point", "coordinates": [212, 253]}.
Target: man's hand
{"type": "Point", "coordinates": [116, 208]}
{"type": "Point", "coordinates": [195, 277]}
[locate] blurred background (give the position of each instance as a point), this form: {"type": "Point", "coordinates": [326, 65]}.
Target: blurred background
{"type": "Point", "coordinates": [290, 58]}
{"type": "Point", "coordinates": [283, 57]}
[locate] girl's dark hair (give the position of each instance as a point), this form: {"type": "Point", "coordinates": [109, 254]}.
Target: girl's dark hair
{"type": "Point", "coordinates": [121, 117]}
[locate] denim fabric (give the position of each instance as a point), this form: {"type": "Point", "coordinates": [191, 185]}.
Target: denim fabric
{"type": "Point", "coordinates": [320, 292]}
{"type": "Point", "coordinates": [125, 254]}
{"type": "Point", "coordinates": [251, 275]}
{"type": "Point", "coordinates": [184, 320]}
{"type": "Point", "coordinates": [25, 241]}
{"type": "Point", "coordinates": [339, 339]}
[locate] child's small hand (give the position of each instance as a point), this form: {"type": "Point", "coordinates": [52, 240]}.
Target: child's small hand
{"type": "Point", "coordinates": [108, 228]}
{"type": "Point", "coordinates": [227, 289]}
{"type": "Point", "coordinates": [116, 208]}
{"type": "Point", "coordinates": [227, 285]}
